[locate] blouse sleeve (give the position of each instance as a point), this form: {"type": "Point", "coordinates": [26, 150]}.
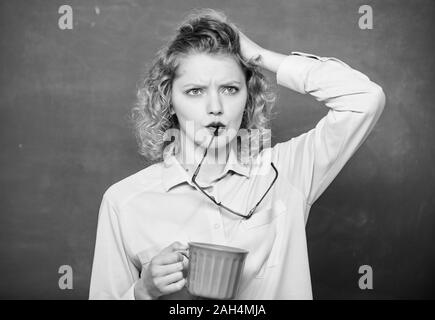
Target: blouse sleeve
{"type": "Point", "coordinates": [312, 160]}
{"type": "Point", "coordinates": [113, 274]}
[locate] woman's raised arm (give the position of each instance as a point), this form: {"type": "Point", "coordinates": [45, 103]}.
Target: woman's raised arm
{"type": "Point", "coordinates": [312, 160]}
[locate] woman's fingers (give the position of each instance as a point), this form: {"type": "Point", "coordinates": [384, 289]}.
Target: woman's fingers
{"type": "Point", "coordinates": [176, 286]}
{"type": "Point", "coordinates": [184, 253]}
{"type": "Point", "coordinates": [170, 278]}
{"type": "Point", "coordinates": [249, 49]}
{"type": "Point", "coordinates": [163, 270]}
{"type": "Point", "coordinates": [168, 258]}
{"type": "Point", "coordinates": [172, 254]}
{"type": "Point", "coordinates": [166, 283]}
{"type": "Point", "coordinates": [175, 246]}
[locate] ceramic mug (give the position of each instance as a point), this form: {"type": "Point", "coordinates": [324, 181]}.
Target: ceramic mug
{"type": "Point", "coordinates": [214, 271]}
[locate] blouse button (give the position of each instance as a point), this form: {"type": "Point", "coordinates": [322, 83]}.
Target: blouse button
{"type": "Point", "coordinates": [217, 226]}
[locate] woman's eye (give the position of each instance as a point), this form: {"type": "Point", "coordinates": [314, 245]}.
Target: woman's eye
{"type": "Point", "coordinates": [231, 90]}
{"type": "Point", "coordinates": [194, 91]}
{"type": "Point", "coordinates": [197, 91]}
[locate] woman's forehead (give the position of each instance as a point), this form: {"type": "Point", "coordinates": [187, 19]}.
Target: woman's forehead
{"type": "Point", "coordinates": [204, 67]}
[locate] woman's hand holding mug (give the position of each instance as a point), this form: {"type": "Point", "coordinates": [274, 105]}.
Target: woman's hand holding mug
{"type": "Point", "coordinates": [164, 274]}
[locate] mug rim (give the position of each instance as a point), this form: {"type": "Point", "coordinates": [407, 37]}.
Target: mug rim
{"type": "Point", "coordinates": [218, 247]}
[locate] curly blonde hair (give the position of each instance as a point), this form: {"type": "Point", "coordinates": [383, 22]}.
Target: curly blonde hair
{"type": "Point", "coordinates": [203, 31]}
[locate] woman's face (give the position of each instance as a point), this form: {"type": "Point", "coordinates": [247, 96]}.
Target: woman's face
{"type": "Point", "coordinates": [209, 88]}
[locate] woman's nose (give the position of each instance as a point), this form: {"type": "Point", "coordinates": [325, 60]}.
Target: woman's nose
{"type": "Point", "coordinates": [214, 104]}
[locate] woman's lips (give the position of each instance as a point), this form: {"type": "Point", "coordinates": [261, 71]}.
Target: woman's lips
{"type": "Point", "coordinates": [212, 130]}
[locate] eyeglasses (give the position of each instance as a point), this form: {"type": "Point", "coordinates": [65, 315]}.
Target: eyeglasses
{"type": "Point", "coordinates": [251, 212]}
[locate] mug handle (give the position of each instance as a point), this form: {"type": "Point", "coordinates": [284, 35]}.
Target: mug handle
{"type": "Point", "coordinates": [185, 253]}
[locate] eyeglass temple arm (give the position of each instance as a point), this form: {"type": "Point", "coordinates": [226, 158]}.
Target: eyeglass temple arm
{"type": "Point", "coordinates": [276, 177]}
{"type": "Point", "coordinates": [205, 154]}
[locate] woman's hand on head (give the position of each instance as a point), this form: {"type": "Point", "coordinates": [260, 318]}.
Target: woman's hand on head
{"type": "Point", "coordinates": [249, 49]}
{"type": "Point", "coordinates": [266, 59]}
{"type": "Point", "coordinates": [164, 274]}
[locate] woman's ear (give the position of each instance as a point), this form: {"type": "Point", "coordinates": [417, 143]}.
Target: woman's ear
{"type": "Point", "coordinates": [171, 110]}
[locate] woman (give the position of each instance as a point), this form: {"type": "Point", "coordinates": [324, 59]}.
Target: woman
{"type": "Point", "coordinates": [205, 89]}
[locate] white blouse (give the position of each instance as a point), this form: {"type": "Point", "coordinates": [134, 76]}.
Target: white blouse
{"type": "Point", "coordinates": [147, 211]}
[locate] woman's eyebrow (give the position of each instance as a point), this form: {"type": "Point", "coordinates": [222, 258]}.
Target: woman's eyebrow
{"type": "Point", "coordinates": [226, 83]}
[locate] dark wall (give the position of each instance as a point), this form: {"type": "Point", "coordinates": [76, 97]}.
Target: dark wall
{"type": "Point", "coordinates": [64, 139]}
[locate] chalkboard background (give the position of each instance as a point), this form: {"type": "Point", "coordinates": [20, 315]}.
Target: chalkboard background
{"type": "Point", "coordinates": [64, 136]}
